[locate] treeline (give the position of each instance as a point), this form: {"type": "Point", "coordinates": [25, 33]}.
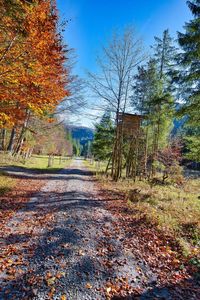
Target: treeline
{"type": "Point", "coordinates": [33, 71]}
{"type": "Point", "coordinates": [51, 139]}
{"type": "Point", "coordinates": [158, 89]}
{"type": "Point", "coordinates": [82, 138]}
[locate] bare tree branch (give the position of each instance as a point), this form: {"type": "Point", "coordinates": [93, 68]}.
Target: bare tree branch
{"type": "Point", "coordinates": [117, 68]}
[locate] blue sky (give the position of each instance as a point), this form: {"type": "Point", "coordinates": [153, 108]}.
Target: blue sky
{"type": "Point", "coordinates": [93, 21]}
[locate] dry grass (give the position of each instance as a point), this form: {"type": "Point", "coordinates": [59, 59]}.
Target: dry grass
{"type": "Point", "coordinates": [174, 209]}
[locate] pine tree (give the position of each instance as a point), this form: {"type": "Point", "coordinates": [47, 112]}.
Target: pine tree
{"type": "Point", "coordinates": [144, 88]}
{"type": "Point", "coordinates": [103, 138]}
{"type": "Point", "coordinates": [165, 54]}
{"type": "Point", "coordinates": [76, 147]}
{"type": "Point", "coordinates": [190, 77]}
{"type": "Point", "coordinates": [151, 99]}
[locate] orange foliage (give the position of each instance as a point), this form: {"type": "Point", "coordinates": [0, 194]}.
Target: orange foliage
{"type": "Point", "coordinates": [32, 72]}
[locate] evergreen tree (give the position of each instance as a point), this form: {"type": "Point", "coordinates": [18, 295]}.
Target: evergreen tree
{"type": "Point", "coordinates": [140, 87]}
{"type": "Point", "coordinates": [151, 99]}
{"type": "Point", "coordinates": [190, 76]}
{"type": "Point", "coordinates": [193, 148]}
{"type": "Point", "coordinates": [76, 147]}
{"type": "Point", "coordinates": [86, 149]}
{"type": "Point", "coordinates": [165, 54]}
{"type": "Point", "coordinates": [146, 86]}
{"type": "Point", "coordinates": [103, 138]}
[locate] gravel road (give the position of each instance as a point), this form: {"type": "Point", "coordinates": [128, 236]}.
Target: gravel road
{"type": "Point", "coordinates": [67, 249]}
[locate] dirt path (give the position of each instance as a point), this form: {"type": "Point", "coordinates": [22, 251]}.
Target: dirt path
{"type": "Point", "coordinates": [61, 245]}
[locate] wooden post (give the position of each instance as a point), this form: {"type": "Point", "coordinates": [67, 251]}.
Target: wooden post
{"type": "Point", "coordinates": [50, 161]}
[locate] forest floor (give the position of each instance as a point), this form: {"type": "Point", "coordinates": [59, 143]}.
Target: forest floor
{"type": "Point", "coordinates": [64, 237]}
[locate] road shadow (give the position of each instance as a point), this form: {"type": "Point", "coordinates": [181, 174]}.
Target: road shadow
{"type": "Point", "coordinates": [57, 246]}
{"type": "Point", "coordinates": [188, 289]}
{"type": "Point", "coordinates": [63, 174]}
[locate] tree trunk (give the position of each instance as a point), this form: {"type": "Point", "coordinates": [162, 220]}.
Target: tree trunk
{"type": "Point", "coordinates": [12, 138]}
{"type": "Point", "coordinates": [50, 161]}
{"type": "Point", "coordinates": [3, 142]}
{"type": "Point", "coordinates": [21, 136]}
{"type": "Point", "coordinates": [146, 154]}
{"type": "Point", "coordinates": [106, 171]}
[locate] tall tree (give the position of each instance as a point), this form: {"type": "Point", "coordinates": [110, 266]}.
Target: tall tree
{"type": "Point", "coordinates": [190, 61]}
{"type": "Point", "coordinates": [146, 87]}
{"type": "Point", "coordinates": [190, 78]}
{"type": "Point", "coordinates": [113, 85]}
{"type": "Point", "coordinates": [150, 99]}
{"type": "Point", "coordinates": [165, 54]}
{"type": "Point", "coordinates": [32, 72]}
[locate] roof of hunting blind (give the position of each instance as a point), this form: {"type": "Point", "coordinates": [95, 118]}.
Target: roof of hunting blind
{"type": "Point", "coordinates": [127, 114]}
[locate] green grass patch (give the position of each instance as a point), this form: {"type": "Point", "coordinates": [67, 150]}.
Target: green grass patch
{"type": "Point", "coordinates": [6, 183]}
{"type": "Point", "coordinates": [36, 163]}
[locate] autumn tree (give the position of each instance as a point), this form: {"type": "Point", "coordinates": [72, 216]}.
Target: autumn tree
{"type": "Point", "coordinates": [50, 139]}
{"type": "Point", "coordinates": [35, 80]}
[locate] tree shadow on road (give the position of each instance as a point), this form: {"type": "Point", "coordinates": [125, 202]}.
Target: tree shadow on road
{"type": "Point", "coordinates": [47, 174]}
{"type": "Point", "coordinates": [182, 290]}
{"type": "Point", "coordinates": [54, 253]}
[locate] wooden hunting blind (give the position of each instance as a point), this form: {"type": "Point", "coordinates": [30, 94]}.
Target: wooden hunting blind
{"type": "Point", "coordinates": [130, 124]}
{"type": "Point", "coordinates": [129, 149]}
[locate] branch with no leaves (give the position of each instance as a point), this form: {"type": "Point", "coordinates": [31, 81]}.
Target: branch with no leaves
{"type": "Point", "coordinates": [117, 68]}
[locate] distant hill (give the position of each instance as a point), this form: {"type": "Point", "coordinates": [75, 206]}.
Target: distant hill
{"type": "Point", "coordinates": [81, 133]}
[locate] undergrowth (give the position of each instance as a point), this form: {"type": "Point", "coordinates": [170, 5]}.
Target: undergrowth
{"type": "Point", "coordinates": [173, 209]}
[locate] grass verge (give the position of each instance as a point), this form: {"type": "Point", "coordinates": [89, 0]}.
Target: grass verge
{"type": "Point", "coordinates": [6, 183]}
{"type": "Point", "coordinates": [173, 209]}
{"type": "Point", "coordinates": [36, 163]}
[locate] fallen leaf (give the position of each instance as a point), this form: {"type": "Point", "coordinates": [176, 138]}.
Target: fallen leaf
{"type": "Point", "coordinates": [81, 253]}
{"type": "Point", "coordinates": [51, 293]}
{"type": "Point", "coordinates": [88, 285]}
{"type": "Point", "coordinates": [108, 290]}
{"type": "Point", "coordinates": [60, 274]}
{"type": "Point", "coordinates": [51, 281]}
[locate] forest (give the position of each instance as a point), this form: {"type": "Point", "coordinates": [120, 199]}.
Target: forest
{"type": "Point", "coordinates": [163, 96]}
